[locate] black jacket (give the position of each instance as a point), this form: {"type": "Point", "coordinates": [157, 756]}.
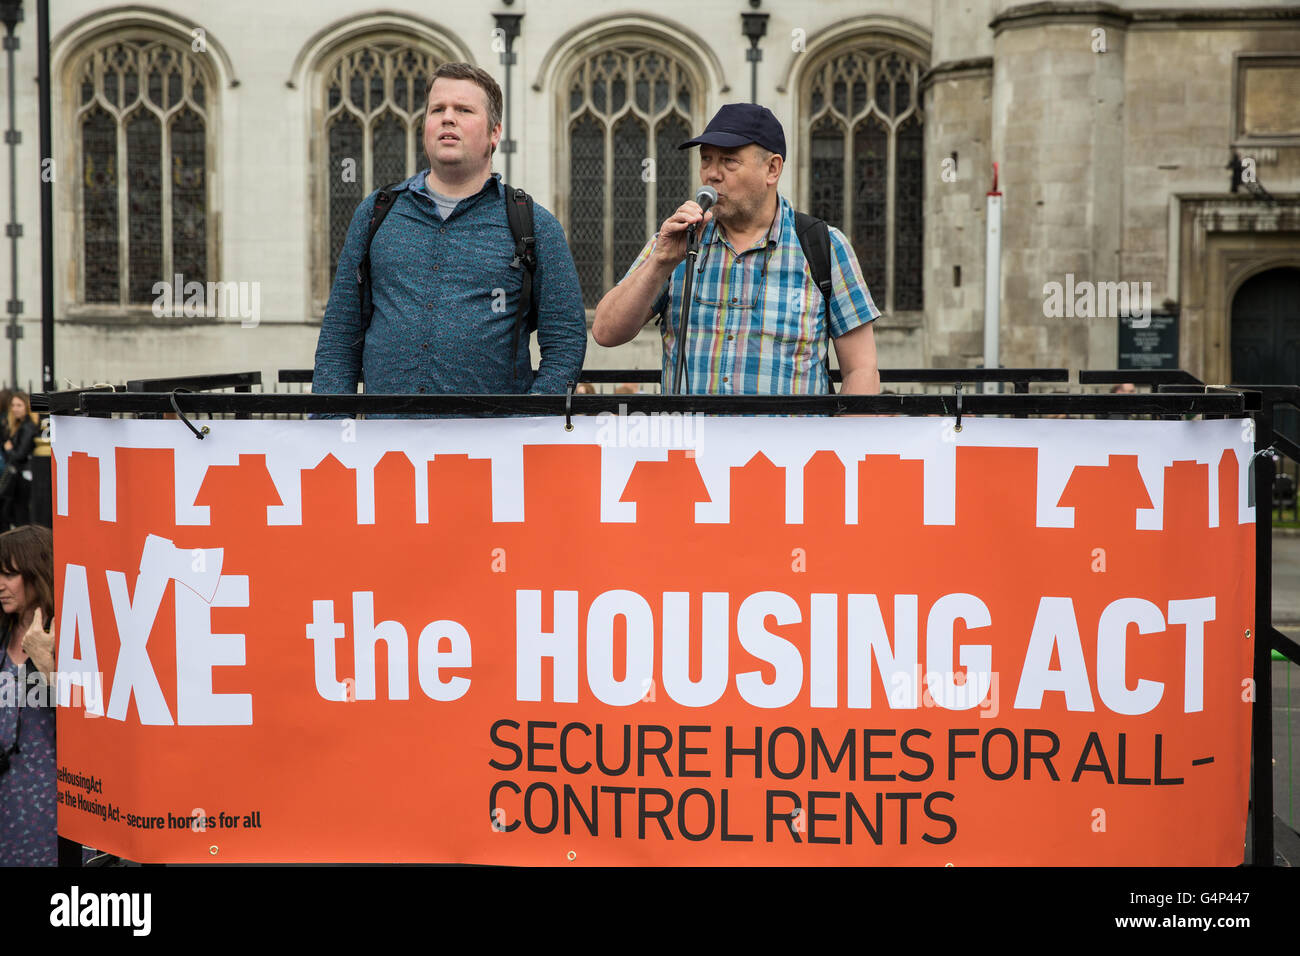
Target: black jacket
{"type": "Point", "coordinates": [23, 440]}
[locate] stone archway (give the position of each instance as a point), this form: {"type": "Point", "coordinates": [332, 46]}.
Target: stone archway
{"type": "Point", "coordinates": [1265, 330]}
{"type": "Point", "coordinates": [1223, 242]}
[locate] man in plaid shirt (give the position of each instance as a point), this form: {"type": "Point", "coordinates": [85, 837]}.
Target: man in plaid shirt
{"type": "Point", "coordinates": [757, 321]}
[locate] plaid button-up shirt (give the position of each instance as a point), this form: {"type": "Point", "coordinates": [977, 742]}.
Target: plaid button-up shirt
{"type": "Point", "coordinates": [757, 323]}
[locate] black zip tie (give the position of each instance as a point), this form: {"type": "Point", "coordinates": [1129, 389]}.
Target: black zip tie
{"type": "Point", "coordinates": [181, 415]}
{"type": "Point", "coordinates": [958, 426]}
{"type": "Point", "coordinates": [568, 406]}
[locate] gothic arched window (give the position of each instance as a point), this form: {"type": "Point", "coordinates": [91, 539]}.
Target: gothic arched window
{"type": "Point", "coordinates": [141, 141]}
{"type": "Point", "coordinates": [865, 171]}
{"type": "Point", "coordinates": [373, 97]}
{"type": "Point", "coordinates": [628, 108]}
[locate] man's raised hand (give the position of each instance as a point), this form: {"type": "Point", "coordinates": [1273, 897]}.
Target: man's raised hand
{"type": "Point", "coordinates": [670, 248]}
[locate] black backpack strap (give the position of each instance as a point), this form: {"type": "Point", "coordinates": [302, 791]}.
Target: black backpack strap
{"type": "Point", "coordinates": [815, 241]}
{"type": "Point", "coordinates": [519, 210]}
{"type": "Point", "coordinates": [383, 204]}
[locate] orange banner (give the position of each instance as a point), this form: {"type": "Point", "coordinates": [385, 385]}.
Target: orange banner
{"type": "Point", "coordinates": [656, 641]}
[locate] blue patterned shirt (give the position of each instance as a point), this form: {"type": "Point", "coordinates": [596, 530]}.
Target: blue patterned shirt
{"type": "Point", "coordinates": [757, 324]}
{"type": "Point", "coordinates": [445, 301]}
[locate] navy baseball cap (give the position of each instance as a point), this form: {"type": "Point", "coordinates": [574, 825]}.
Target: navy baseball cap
{"type": "Point", "coordinates": [739, 124]}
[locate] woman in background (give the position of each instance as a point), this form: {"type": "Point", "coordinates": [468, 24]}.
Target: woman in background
{"type": "Point", "coordinates": [22, 427]}
{"type": "Point", "coordinates": [6, 396]}
{"type": "Point", "coordinates": [27, 781]}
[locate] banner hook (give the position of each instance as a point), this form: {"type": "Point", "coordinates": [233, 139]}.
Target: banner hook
{"type": "Point", "coordinates": [181, 415]}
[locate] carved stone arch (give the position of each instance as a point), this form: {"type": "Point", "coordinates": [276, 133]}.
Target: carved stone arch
{"type": "Point", "coordinates": [664, 109]}
{"type": "Point", "coordinates": [194, 69]}
{"type": "Point", "coordinates": [877, 33]}
{"type": "Point", "coordinates": [327, 41]}
{"type": "Point", "coordinates": [857, 101]}
{"type": "Point", "coordinates": [1239, 277]}
{"type": "Point", "coordinates": [396, 51]}
{"type": "Point", "coordinates": [1219, 242]}
{"type": "Point", "coordinates": [904, 35]}
{"type": "Point", "coordinates": [580, 41]}
{"type": "Point", "coordinates": [1264, 332]}
{"type": "Point", "coordinates": [89, 29]}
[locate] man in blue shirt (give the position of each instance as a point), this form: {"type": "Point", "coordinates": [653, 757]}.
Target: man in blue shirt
{"type": "Point", "coordinates": [445, 296]}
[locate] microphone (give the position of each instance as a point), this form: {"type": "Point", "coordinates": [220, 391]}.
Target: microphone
{"type": "Point", "coordinates": [706, 197]}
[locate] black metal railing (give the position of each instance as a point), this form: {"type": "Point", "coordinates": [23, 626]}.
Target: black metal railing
{"type": "Point", "coordinates": [1154, 377]}
{"type": "Point", "coordinates": [1019, 378]}
{"type": "Point", "coordinates": [239, 381]}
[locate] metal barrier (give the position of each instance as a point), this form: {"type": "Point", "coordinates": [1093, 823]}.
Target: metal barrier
{"type": "Point", "coordinates": [239, 381]}
{"type": "Point", "coordinates": [1176, 394]}
{"type": "Point", "coordinates": [41, 500]}
{"type": "Point", "coordinates": [1019, 378]}
{"type": "Point", "coordinates": [1274, 448]}
{"type": "Point", "coordinates": [973, 403]}
{"type": "Point", "coordinates": [1138, 376]}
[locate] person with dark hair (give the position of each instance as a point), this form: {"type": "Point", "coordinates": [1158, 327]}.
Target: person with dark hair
{"type": "Point", "coordinates": [27, 765]}
{"type": "Point", "coordinates": [22, 427]}
{"type": "Point", "coordinates": [446, 280]}
{"type": "Point", "coordinates": [6, 396]}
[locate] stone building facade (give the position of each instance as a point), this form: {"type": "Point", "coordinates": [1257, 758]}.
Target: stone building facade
{"type": "Point", "coordinates": [228, 142]}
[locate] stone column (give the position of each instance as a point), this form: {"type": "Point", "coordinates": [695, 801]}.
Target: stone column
{"type": "Point", "coordinates": [958, 115]}
{"type": "Point", "coordinates": [1058, 94]}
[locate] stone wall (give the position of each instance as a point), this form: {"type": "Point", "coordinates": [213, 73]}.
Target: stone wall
{"type": "Point", "coordinates": [1097, 148]}
{"type": "Point", "coordinates": [1057, 127]}
{"type": "Point", "coordinates": [958, 103]}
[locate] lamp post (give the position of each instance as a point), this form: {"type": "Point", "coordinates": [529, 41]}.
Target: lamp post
{"type": "Point", "coordinates": [47, 209]}
{"type": "Point", "coordinates": [508, 24]}
{"type": "Point", "coordinates": [754, 26]}
{"type": "Point", "coordinates": [11, 14]}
